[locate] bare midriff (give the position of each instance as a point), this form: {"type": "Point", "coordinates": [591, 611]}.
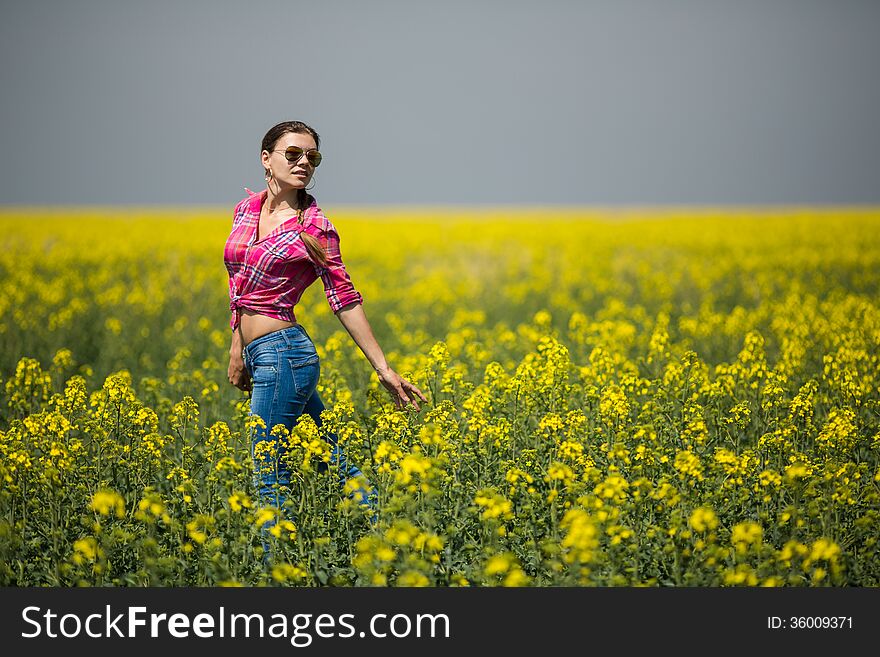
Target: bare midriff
{"type": "Point", "coordinates": [255, 326]}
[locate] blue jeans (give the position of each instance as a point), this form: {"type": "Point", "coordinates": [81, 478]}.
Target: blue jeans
{"type": "Point", "coordinates": [284, 371]}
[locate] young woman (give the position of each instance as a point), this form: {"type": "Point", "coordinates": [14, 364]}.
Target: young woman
{"type": "Point", "coordinates": [280, 244]}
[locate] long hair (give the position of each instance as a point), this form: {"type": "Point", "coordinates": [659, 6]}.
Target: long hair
{"type": "Point", "coordinates": [313, 247]}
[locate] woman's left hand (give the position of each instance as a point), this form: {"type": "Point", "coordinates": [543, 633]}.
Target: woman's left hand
{"type": "Point", "coordinates": [402, 391]}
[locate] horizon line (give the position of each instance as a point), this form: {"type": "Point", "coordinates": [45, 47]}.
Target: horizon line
{"type": "Point", "coordinates": [409, 208]}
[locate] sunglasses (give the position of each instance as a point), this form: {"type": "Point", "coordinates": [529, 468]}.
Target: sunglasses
{"type": "Point", "coordinates": [294, 153]}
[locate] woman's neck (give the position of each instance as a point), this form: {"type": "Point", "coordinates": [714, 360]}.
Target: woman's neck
{"type": "Point", "coordinates": [296, 200]}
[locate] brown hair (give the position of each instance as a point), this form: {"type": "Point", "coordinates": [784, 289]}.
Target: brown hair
{"type": "Point", "coordinates": [313, 247]}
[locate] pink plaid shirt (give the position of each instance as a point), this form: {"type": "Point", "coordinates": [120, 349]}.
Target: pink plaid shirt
{"type": "Point", "coordinates": [269, 276]}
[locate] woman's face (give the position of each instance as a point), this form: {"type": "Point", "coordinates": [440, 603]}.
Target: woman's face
{"type": "Point", "coordinates": [290, 174]}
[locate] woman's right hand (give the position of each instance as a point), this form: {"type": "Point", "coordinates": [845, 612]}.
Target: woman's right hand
{"type": "Point", "coordinates": [402, 391]}
{"type": "Point", "coordinates": [238, 374]}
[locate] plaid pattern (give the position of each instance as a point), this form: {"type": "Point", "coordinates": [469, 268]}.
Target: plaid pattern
{"type": "Point", "coordinates": [270, 276]}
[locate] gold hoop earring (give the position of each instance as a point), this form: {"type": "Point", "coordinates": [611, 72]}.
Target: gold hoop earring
{"type": "Point", "coordinates": [313, 185]}
{"type": "Point", "coordinates": [268, 175]}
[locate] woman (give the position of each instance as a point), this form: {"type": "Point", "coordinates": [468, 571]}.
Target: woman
{"type": "Point", "coordinates": [280, 244]}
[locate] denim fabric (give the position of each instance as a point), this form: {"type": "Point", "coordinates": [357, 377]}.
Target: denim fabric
{"type": "Point", "coordinates": [284, 370]}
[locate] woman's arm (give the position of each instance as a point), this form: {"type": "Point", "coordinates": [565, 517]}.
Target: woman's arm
{"type": "Point", "coordinates": [355, 322]}
{"type": "Point", "coordinates": [237, 373]}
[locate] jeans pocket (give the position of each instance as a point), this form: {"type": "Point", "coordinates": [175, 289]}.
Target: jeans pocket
{"type": "Point", "coordinates": [305, 373]}
{"type": "Point", "coordinates": [264, 367]}
{"type": "Point", "coordinates": [262, 377]}
{"type": "Point", "coordinates": [263, 374]}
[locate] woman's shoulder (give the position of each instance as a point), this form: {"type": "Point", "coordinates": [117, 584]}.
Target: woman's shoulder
{"type": "Point", "coordinates": [318, 219]}
{"type": "Point", "coordinates": [244, 205]}
{"type": "Point", "coordinates": [244, 202]}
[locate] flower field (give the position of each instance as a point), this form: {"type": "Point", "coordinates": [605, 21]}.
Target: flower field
{"type": "Point", "coordinates": [615, 399]}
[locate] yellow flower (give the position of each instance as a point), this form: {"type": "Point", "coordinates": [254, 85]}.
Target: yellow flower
{"type": "Point", "coordinates": [285, 528]}
{"type": "Point", "coordinates": [741, 575]}
{"type": "Point", "coordinates": [86, 549]}
{"type": "Point", "coordinates": [438, 356]}
{"type": "Point", "coordinates": [264, 515]}
{"type": "Point", "coordinates": [822, 549]}
{"type": "Point", "coordinates": [63, 359]}
{"type": "Point", "coordinates": [618, 534]}
{"type": "Point", "coordinates": [413, 578]}
{"type": "Point", "coordinates": [459, 580]}
{"type": "Point", "coordinates": [613, 488]}
{"type": "Point", "coordinates": [238, 501]}
{"type": "Point", "coordinates": [613, 405]}
{"type": "Point", "coordinates": [387, 454]}
{"type": "Point", "coordinates": [108, 501]}
{"type": "Point", "coordinates": [560, 472]}
{"type": "Point", "coordinates": [745, 534]}
{"type": "Point", "coordinates": [197, 529]}
{"type": "Point", "coordinates": [494, 506]}
{"type": "Point", "coordinates": [769, 479]}
{"type": "Point", "coordinates": [791, 550]}
{"type": "Point", "coordinates": [581, 538]}
{"type": "Point", "coordinates": [385, 553]}
{"type": "Point", "coordinates": [113, 325]}
{"type": "Point", "coordinates": [797, 471]}
{"type": "Point", "coordinates": [840, 430]}
{"type": "Point", "coordinates": [514, 476]}
{"type": "Point", "coordinates": [689, 464]}
{"type": "Point", "coordinates": [516, 577]}
{"type": "Point", "coordinates": [703, 519]}
{"type": "Point", "coordinates": [151, 507]}
{"type": "Point", "coordinates": [413, 465]}
{"type": "Point", "coordinates": [550, 425]}
{"type": "Point", "coordinates": [497, 564]}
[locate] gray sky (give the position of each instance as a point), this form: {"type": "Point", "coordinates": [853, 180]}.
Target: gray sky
{"type": "Point", "coordinates": [444, 102]}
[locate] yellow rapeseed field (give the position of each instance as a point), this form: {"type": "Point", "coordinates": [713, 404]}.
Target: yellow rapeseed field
{"type": "Point", "coordinates": [677, 398]}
